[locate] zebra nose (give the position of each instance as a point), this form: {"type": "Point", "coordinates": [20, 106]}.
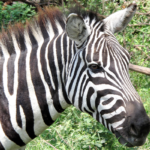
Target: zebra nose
{"type": "Point", "coordinates": [138, 134]}
{"type": "Point", "coordinates": [139, 131]}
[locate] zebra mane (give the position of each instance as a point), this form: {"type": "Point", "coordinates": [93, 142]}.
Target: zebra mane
{"type": "Point", "coordinates": [51, 15]}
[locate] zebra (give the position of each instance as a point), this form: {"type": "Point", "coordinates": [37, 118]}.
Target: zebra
{"type": "Point", "coordinates": [57, 61]}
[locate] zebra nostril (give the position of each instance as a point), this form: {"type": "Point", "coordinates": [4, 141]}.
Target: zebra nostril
{"type": "Point", "coordinates": [135, 140]}
{"type": "Point", "coordinates": [133, 130]}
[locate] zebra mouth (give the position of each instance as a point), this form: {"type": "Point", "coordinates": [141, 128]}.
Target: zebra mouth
{"type": "Point", "coordinates": [122, 140]}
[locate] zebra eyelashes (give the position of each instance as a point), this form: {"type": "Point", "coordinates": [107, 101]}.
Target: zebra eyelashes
{"type": "Point", "coordinates": [96, 68]}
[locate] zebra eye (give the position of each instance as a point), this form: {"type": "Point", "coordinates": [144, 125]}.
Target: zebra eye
{"type": "Point", "coordinates": [96, 68]}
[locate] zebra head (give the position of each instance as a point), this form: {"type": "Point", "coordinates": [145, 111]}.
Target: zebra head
{"type": "Point", "coordinates": [98, 80]}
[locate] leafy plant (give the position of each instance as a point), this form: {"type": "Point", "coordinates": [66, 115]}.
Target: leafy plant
{"type": "Point", "coordinates": [18, 12]}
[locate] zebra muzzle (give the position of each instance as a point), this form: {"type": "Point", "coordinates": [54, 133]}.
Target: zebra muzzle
{"type": "Point", "coordinates": [132, 136]}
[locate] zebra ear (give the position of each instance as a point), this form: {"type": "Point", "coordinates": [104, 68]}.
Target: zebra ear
{"type": "Point", "coordinates": [76, 28]}
{"type": "Point", "coordinates": [119, 20]}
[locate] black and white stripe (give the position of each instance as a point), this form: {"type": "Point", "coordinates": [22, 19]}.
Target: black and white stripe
{"type": "Point", "coordinates": [43, 71]}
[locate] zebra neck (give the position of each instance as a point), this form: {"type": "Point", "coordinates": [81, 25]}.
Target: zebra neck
{"type": "Point", "coordinates": [59, 54]}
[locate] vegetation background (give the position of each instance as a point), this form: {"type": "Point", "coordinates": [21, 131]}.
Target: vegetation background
{"type": "Point", "coordinates": [75, 130]}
